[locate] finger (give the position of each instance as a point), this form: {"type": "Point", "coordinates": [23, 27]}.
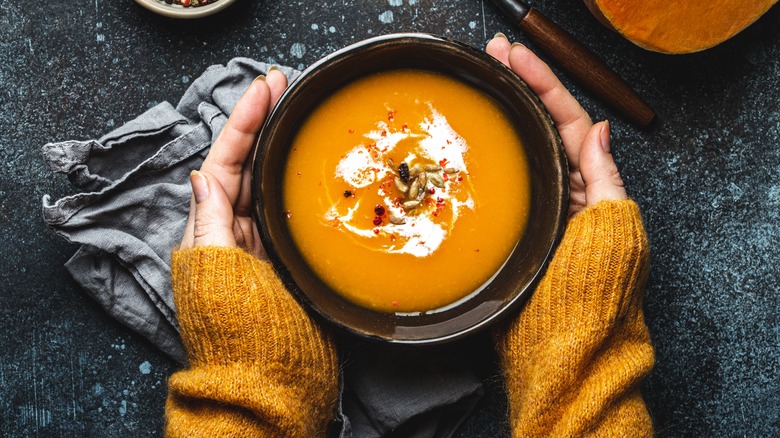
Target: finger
{"type": "Point", "coordinates": [187, 239]}
{"type": "Point", "coordinates": [277, 83]}
{"type": "Point", "coordinates": [599, 171]}
{"type": "Point", "coordinates": [213, 224]}
{"type": "Point", "coordinates": [572, 121]}
{"type": "Point", "coordinates": [243, 205]}
{"type": "Point", "coordinates": [499, 48]}
{"type": "Point", "coordinates": [225, 160]}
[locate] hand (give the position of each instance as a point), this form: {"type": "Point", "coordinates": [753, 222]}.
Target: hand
{"type": "Point", "coordinates": [221, 204]}
{"type": "Point", "coordinates": [593, 175]}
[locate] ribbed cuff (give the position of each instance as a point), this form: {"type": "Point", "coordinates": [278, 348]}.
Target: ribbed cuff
{"type": "Point", "coordinates": [258, 365]}
{"type": "Point", "coordinates": [599, 267]}
{"type": "Point", "coordinates": [233, 308]}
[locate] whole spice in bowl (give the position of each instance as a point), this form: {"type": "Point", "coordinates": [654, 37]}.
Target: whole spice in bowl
{"type": "Point", "coordinates": [190, 3]}
{"type": "Point", "coordinates": [185, 8]}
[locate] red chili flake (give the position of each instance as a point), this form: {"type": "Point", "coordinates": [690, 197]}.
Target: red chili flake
{"type": "Point", "coordinates": [460, 178]}
{"type": "Point", "coordinates": [439, 206]}
{"type": "Point", "coordinates": [377, 220]}
{"type": "Point", "coordinates": [379, 210]}
{"type": "Point", "coordinates": [446, 177]}
{"type": "Point", "coordinates": [449, 142]}
{"type": "Point", "coordinates": [299, 174]}
{"type": "Point", "coordinates": [443, 162]}
{"type": "Point", "coordinates": [384, 133]}
{"type": "Point", "coordinates": [376, 230]}
{"type": "Point", "coordinates": [390, 116]}
{"type": "Point", "coordinates": [392, 237]}
{"type": "Point", "coordinates": [351, 131]}
{"type": "Point", "coordinates": [394, 303]}
{"type": "Point", "coordinates": [405, 127]}
{"type": "Point", "coordinates": [287, 214]}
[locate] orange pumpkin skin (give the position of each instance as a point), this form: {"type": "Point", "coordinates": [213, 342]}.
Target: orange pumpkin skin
{"type": "Point", "coordinates": [678, 27]}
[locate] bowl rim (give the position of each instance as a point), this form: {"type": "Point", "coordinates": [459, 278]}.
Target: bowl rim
{"type": "Point", "coordinates": [284, 272]}
{"type": "Point", "coordinates": [171, 11]}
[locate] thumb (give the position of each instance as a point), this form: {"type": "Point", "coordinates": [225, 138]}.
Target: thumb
{"type": "Point", "coordinates": [599, 172]}
{"type": "Point", "coordinates": [213, 212]}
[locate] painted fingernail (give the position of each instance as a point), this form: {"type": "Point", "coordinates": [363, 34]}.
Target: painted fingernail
{"type": "Point", "coordinates": [260, 78]}
{"type": "Point", "coordinates": [500, 35]}
{"type": "Point", "coordinates": [604, 136]}
{"type": "Point", "coordinates": [200, 186]}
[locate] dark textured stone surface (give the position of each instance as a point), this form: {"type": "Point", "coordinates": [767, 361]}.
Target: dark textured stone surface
{"type": "Point", "coordinates": [706, 178]}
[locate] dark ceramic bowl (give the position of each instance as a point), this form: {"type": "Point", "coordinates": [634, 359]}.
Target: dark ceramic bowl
{"type": "Point", "coordinates": [513, 283]}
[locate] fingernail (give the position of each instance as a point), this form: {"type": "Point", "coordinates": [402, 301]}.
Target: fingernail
{"type": "Point", "coordinates": [516, 44]}
{"type": "Point", "coordinates": [260, 78]}
{"type": "Point", "coordinates": [500, 35]}
{"type": "Point", "coordinates": [272, 68]}
{"type": "Point", "coordinates": [200, 186]}
{"type": "Point", "coordinates": [604, 136]}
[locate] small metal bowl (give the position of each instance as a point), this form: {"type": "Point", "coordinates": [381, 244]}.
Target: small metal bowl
{"type": "Point", "coordinates": [177, 11]}
{"type": "Point", "coordinates": [513, 282]}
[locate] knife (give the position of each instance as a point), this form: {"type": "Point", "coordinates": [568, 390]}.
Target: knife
{"type": "Point", "coordinates": [579, 62]}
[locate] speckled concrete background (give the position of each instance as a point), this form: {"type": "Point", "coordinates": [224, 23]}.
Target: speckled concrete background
{"type": "Point", "coordinates": [707, 179]}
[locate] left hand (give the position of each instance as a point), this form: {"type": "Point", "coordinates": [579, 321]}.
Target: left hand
{"type": "Point", "coordinates": [221, 204]}
{"type": "Point", "coordinates": [593, 175]}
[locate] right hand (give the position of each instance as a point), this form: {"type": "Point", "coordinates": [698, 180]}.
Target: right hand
{"type": "Point", "coordinates": [593, 175]}
{"type": "Point", "coordinates": [221, 205]}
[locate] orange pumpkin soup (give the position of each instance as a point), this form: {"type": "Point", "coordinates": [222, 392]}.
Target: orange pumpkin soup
{"type": "Point", "coordinates": [406, 190]}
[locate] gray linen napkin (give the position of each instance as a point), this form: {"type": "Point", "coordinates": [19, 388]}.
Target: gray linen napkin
{"type": "Point", "coordinates": [130, 213]}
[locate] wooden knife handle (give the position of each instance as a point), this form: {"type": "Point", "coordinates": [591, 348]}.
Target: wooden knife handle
{"type": "Point", "coordinates": [579, 62]}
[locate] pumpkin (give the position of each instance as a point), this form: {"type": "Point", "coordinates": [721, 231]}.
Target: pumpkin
{"type": "Point", "coordinates": [678, 27]}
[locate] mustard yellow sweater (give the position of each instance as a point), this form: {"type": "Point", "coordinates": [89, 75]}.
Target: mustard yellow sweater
{"type": "Point", "coordinates": [573, 359]}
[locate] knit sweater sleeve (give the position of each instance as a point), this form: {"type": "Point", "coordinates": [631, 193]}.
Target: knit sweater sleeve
{"type": "Point", "coordinates": [258, 364]}
{"type": "Point", "coordinates": [574, 357]}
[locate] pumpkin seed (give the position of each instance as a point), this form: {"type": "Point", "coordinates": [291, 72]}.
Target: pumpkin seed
{"type": "Point", "coordinates": [400, 185]}
{"type": "Point", "coordinates": [414, 188]}
{"type": "Point", "coordinates": [408, 205]}
{"type": "Point", "coordinates": [436, 180]}
{"type": "Point", "coordinates": [397, 220]}
{"type": "Point", "coordinates": [423, 178]}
